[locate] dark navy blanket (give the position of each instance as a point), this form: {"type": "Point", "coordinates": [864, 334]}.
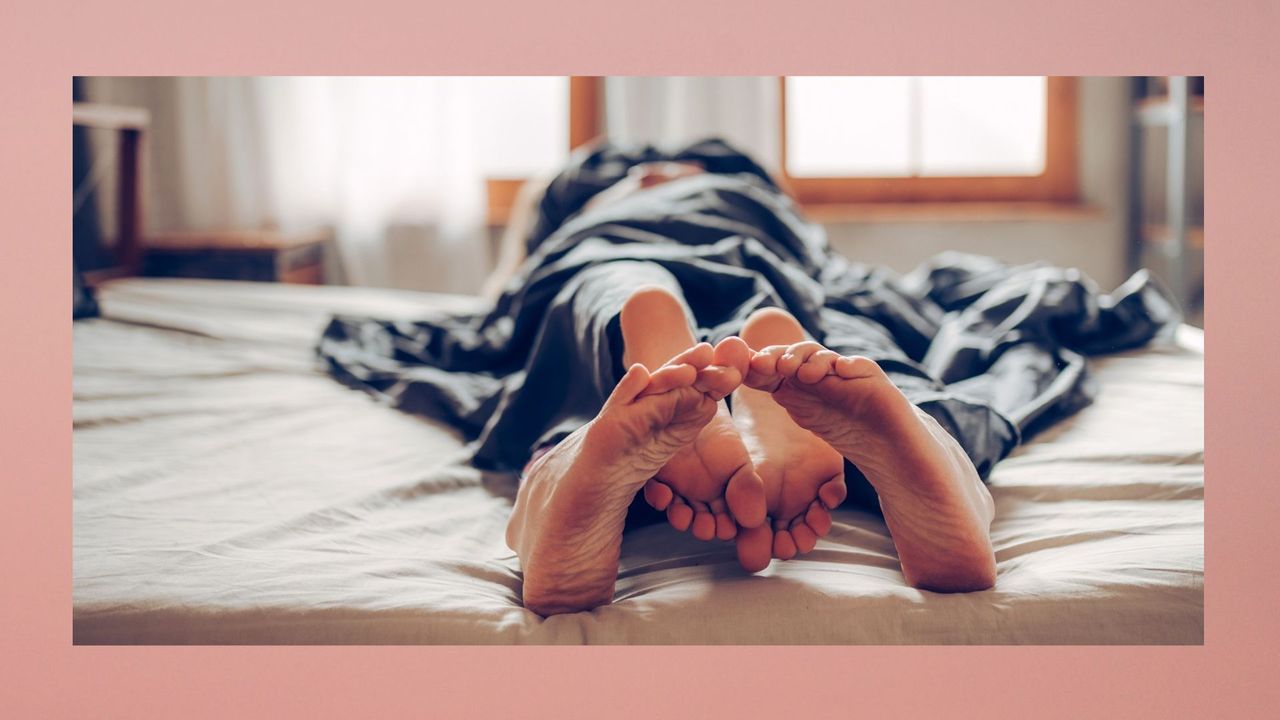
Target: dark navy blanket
{"type": "Point", "coordinates": [991, 351]}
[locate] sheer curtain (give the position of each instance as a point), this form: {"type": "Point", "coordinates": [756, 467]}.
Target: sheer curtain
{"type": "Point", "coordinates": [390, 164]}
{"type": "Point", "coordinates": [670, 111]}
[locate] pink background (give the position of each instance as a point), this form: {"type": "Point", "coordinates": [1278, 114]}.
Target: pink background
{"type": "Point", "coordinates": [44, 43]}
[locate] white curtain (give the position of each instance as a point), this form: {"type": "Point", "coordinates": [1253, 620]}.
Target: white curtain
{"type": "Point", "coordinates": [390, 164]}
{"type": "Point", "coordinates": [672, 111]}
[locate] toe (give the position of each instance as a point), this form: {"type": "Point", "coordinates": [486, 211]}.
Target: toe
{"type": "Point", "coordinates": [699, 356]}
{"type": "Point", "coordinates": [784, 548]}
{"type": "Point", "coordinates": [754, 547]}
{"type": "Point", "coordinates": [855, 366]}
{"type": "Point", "coordinates": [803, 536]}
{"type": "Point", "coordinates": [833, 492]}
{"type": "Point", "coordinates": [818, 519]}
{"type": "Point", "coordinates": [818, 366]}
{"type": "Point", "coordinates": [762, 373]}
{"type": "Point", "coordinates": [795, 356]}
{"type": "Point", "coordinates": [733, 352]}
{"type": "Point", "coordinates": [718, 381]}
{"type": "Point", "coordinates": [726, 528]}
{"type": "Point", "coordinates": [634, 382]}
{"type": "Point", "coordinates": [657, 494]}
{"type": "Point", "coordinates": [679, 515]}
{"type": "Point", "coordinates": [670, 377]}
{"type": "Point", "coordinates": [745, 497]}
{"type": "Point", "coordinates": [704, 523]}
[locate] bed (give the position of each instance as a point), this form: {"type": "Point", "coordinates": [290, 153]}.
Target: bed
{"type": "Point", "coordinates": [226, 490]}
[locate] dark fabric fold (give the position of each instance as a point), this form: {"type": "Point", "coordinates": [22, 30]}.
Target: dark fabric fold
{"type": "Point", "coordinates": [989, 350]}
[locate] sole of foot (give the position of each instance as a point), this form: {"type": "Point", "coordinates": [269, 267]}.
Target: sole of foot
{"type": "Point", "coordinates": [803, 476]}
{"type": "Point", "coordinates": [936, 507]}
{"type": "Point", "coordinates": [710, 487]}
{"type": "Point", "coordinates": [566, 526]}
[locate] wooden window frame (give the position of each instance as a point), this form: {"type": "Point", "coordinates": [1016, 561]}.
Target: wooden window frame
{"type": "Point", "coordinates": [1058, 183]}
{"type": "Point", "coordinates": [584, 126]}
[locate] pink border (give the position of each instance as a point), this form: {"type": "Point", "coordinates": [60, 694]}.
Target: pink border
{"type": "Point", "coordinates": [43, 44]}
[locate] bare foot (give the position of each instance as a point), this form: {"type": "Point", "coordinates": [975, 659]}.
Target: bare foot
{"type": "Point", "coordinates": [566, 526]}
{"type": "Point", "coordinates": [937, 509]}
{"type": "Point", "coordinates": [803, 476]}
{"type": "Point", "coordinates": [709, 486]}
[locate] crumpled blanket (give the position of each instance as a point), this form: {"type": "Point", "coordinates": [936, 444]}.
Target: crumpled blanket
{"type": "Point", "coordinates": [991, 351]}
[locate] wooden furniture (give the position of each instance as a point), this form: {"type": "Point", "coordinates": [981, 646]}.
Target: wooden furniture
{"type": "Point", "coordinates": [261, 255]}
{"type": "Point", "coordinates": [233, 255]}
{"type": "Point", "coordinates": [131, 124]}
{"type": "Point", "coordinates": [1166, 190]}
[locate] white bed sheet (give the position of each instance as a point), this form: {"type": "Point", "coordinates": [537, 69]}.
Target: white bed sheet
{"type": "Point", "coordinates": [227, 491]}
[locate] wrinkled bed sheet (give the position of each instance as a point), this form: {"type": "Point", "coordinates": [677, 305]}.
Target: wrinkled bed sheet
{"type": "Point", "coordinates": [227, 491]}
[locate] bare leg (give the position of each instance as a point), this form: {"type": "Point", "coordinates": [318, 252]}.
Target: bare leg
{"type": "Point", "coordinates": [937, 509]}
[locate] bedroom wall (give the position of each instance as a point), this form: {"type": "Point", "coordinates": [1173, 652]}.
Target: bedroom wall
{"type": "Point", "coordinates": [1092, 239]}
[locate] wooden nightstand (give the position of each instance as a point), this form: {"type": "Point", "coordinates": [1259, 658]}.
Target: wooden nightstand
{"type": "Point", "coordinates": [262, 255]}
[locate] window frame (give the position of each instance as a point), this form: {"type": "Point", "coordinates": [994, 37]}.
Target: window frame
{"type": "Point", "coordinates": [1058, 182]}
{"type": "Point", "coordinates": [584, 126]}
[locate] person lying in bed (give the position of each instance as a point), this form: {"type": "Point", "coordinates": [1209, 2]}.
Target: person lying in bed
{"type": "Point", "coordinates": [670, 337]}
{"type": "Point", "coordinates": [766, 475]}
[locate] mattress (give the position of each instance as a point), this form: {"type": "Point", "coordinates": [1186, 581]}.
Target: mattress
{"type": "Point", "coordinates": [226, 490]}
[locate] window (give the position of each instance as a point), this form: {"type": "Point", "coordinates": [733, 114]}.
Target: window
{"type": "Point", "coordinates": [928, 139]}
{"type": "Point", "coordinates": [558, 114]}
{"type": "Point", "coordinates": [845, 140]}
{"type": "Point", "coordinates": [536, 142]}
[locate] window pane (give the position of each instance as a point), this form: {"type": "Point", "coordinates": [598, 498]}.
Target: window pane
{"type": "Point", "coordinates": [855, 126]}
{"type": "Point", "coordinates": [525, 124]}
{"type": "Point", "coordinates": [982, 125]}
